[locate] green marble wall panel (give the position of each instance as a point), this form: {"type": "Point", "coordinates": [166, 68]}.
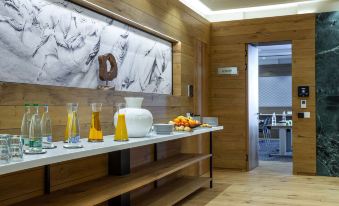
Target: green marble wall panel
{"type": "Point", "coordinates": [327, 86]}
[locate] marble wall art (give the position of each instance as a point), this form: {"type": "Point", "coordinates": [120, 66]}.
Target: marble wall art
{"type": "Point", "coordinates": [55, 42]}
{"type": "Point", "coordinates": [327, 93]}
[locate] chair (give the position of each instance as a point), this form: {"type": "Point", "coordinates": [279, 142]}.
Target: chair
{"type": "Point", "coordinates": [267, 143]}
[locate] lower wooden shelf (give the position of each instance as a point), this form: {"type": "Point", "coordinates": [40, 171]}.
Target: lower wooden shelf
{"type": "Point", "coordinates": [173, 192]}
{"type": "Point", "coordinates": [100, 190]}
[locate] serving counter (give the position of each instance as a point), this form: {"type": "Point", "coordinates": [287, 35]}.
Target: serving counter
{"type": "Point", "coordinates": [115, 187]}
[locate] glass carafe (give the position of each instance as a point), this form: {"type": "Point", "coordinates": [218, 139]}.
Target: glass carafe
{"type": "Point", "coordinates": [35, 137]}
{"type": "Point", "coordinates": [95, 133]}
{"type": "Point", "coordinates": [69, 121]}
{"type": "Point", "coordinates": [26, 121]}
{"type": "Point", "coordinates": [121, 129]}
{"type": "Point", "coordinates": [72, 132]}
{"type": "Point", "coordinates": [46, 129]}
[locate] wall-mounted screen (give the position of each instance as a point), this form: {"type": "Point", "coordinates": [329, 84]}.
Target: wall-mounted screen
{"type": "Point", "coordinates": [55, 42]}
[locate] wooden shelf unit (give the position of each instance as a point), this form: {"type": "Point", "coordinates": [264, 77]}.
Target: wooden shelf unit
{"type": "Point", "coordinates": [116, 187]}
{"type": "Point", "coordinates": [103, 189]}
{"type": "Point", "coordinates": [173, 192]}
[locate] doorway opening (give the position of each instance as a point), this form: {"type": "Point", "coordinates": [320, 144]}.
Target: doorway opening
{"type": "Point", "coordinates": [269, 80]}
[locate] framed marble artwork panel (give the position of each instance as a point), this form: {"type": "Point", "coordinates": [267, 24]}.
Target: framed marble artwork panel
{"type": "Point", "coordinates": [55, 42]}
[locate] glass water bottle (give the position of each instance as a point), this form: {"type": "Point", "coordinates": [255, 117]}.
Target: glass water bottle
{"type": "Point", "coordinates": [284, 117]}
{"type": "Point", "coordinates": [46, 130]}
{"type": "Point", "coordinates": [274, 119]}
{"type": "Point", "coordinates": [26, 121]}
{"type": "Point", "coordinates": [72, 132]}
{"type": "Point", "coordinates": [120, 125]}
{"type": "Point", "coordinates": [35, 137]}
{"type": "Point", "coordinates": [95, 133]}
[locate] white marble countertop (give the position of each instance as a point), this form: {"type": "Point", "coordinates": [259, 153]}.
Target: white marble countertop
{"type": "Point", "coordinates": [61, 154]}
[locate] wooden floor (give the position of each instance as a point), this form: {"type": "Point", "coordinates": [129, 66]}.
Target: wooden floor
{"type": "Point", "coordinates": [272, 183]}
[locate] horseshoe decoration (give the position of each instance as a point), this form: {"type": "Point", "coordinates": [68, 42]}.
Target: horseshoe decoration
{"type": "Point", "coordinates": [104, 74]}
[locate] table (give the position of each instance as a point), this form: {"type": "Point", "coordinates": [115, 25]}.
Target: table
{"type": "Point", "coordinates": [285, 142]}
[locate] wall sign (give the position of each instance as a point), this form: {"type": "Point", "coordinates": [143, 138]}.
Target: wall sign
{"type": "Point", "coordinates": [228, 71]}
{"type": "Point", "coordinates": [58, 43]}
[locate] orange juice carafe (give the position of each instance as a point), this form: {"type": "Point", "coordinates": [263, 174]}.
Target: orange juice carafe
{"type": "Point", "coordinates": [120, 124]}
{"type": "Point", "coordinates": [95, 132]}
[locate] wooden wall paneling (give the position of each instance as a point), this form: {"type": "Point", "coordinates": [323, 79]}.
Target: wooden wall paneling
{"type": "Point", "coordinates": [187, 10]}
{"type": "Point", "coordinates": [304, 130]}
{"type": "Point", "coordinates": [187, 76]}
{"type": "Point", "coordinates": [201, 103]}
{"type": "Point", "coordinates": [227, 102]}
{"type": "Point", "coordinates": [13, 94]}
{"type": "Point", "coordinates": [199, 144]}
{"type": "Point", "coordinates": [144, 18]}
{"type": "Point", "coordinates": [21, 185]}
{"type": "Point", "coordinates": [184, 13]}
{"type": "Point", "coordinates": [168, 19]}
{"type": "Point", "coordinates": [187, 23]}
{"type": "Point", "coordinates": [141, 155]}
{"type": "Point", "coordinates": [202, 107]}
{"type": "Point", "coordinates": [70, 173]}
{"type": "Point", "coordinates": [263, 21]}
{"type": "Point", "coordinates": [228, 40]}
{"type": "Point", "coordinates": [177, 50]}
{"type": "Point", "coordinates": [264, 28]}
{"type": "Point", "coordinates": [168, 149]}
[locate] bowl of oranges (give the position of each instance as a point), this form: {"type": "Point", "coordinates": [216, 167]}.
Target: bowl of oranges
{"type": "Point", "coordinates": [186, 124]}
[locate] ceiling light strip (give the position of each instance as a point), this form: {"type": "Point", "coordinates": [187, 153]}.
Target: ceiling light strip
{"type": "Point", "coordinates": [300, 7]}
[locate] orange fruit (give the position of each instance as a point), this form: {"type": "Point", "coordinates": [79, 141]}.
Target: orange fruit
{"type": "Point", "coordinates": [192, 123]}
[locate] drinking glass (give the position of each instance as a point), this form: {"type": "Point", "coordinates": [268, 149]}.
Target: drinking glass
{"type": "Point", "coordinates": [4, 149]}
{"type": "Point", "coordinates": [95, 133]}
{"type": "Point", "coordinates": [120, 128]}
{"type": "Point", "coordinates": [16, 148]}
